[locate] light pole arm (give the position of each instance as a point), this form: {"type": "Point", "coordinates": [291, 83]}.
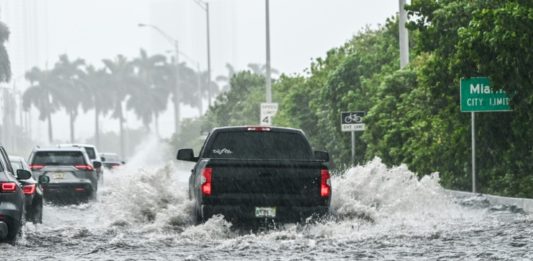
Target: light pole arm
{"type": "Point", "coordinates": [165, 35]}
{"type": "Point", "coordinates": [201, 4]}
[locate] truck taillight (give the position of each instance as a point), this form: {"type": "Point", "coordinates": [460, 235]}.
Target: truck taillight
{"type": "Point", "coordinates": [259, 129]}
{"type": "Point", "coordinates": [325, 183]}
{"type": "Point", "coordinates": [36, 166]}
{"type": "Point", "coordinates": [8, 187]}
{"type": "Point", "coordinates": [207, 174]}
{"type": "Point", "coordinates": [29, 189]}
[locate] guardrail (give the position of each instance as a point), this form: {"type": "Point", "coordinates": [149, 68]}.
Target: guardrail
{"type": "Point", "coordinates": [525, 204]}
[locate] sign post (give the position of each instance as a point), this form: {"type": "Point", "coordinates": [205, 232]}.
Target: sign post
{"type": "Point", "coordinates": [477, 95]}
{"type": "Point", "coordinates": [352, 122]}
{"type": "Point", "coordinates": [268, 110]}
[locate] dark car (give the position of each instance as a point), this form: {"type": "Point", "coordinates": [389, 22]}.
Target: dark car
{"type": "Point", "coordinates": [111, 160]}
{"type": "Point", "coordinates": [33, 191]}
{"type": "Point", "coordinates": [11, 198]}
{"type": "Point", "coordinates": [72, 175]}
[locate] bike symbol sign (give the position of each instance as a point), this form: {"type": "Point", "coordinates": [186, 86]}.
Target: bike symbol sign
{"type": "Point", "coordinates": [353, 121]}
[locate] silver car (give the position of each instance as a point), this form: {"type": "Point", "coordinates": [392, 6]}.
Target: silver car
{"type": "Point", "coordinates": [93, 155]}
{"type": "Point", "coordinates": [72, 174]}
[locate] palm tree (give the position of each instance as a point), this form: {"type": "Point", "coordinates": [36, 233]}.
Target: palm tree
{"type": "Point", "coordinates": [68, 75]}
{"type": "Point", "coordinates": [187, 90]}
{"type": "Point", "coordinates": [226, 79]}
{"type": "Point", "coordinates": [96, 87]}
{"type": "Point", "coordinates": [189, 86]}
{"type": "Point", "coordinates": [41, 94]}
{"type": "Point", "coordinates": [5, 65]}
{"type": "Point", "coordinates": [209, 88]}
{"type": "Point", "coordinates": [149, 98]}
{"type": "Point", "coordinates": [120, 77]}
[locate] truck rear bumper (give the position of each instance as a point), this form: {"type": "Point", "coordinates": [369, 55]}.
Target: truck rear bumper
{"type": "Point", "coordinates": [284, 214]}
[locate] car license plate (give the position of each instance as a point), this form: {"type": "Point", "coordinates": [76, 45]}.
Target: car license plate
{"type": "Point", "coordinates": [263, 212]}
{"type": "Point", "coordinates": [59, 175]}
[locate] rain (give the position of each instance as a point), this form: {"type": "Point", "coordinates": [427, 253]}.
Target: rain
{"type": "Point", "coordinates": [267, 130]}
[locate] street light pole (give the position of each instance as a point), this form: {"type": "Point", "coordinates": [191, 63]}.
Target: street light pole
{"type": "Point", "coordinates": [176, 95]}
{"type": "Point", "coordinates": [177, 113]}
{"type": "Point", "coordinates": [404, 38]}
{"type": "Point", "coordinates": [208, 56]}
{"type": "Point", "coordinates": [205, 7]}
{"type": "Point", "coordinates": [268, 80]}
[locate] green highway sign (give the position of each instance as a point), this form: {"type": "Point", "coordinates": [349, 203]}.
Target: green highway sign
{"type": "Point", "coordinates": [477, 95]}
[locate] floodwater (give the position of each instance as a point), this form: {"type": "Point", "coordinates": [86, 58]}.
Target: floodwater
{"type": "Point", "coordinates": [377, 213]}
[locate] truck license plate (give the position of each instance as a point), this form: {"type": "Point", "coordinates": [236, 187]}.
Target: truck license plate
{"type": "Point", "coordinates": [265, 212]}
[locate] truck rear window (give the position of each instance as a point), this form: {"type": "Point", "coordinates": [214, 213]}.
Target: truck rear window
{"type": "Point", "coordinates": [67, 158]}
{"type": "Point", "coordinates": [260, 145]}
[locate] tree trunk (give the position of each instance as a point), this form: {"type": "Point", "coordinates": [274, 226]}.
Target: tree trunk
{"type": "Point", "coordinates": [50, 134]}
{"type": "Point", "coordinates": [176, 113]}
{"type": "Point", "coordinates": [72, 119]}
{"type": "Point", "coordinates": [96, 126]}
{"type": "Point", "coordinates": [156, 123]}
{"type": "Point", "coordinates": [121, 127]}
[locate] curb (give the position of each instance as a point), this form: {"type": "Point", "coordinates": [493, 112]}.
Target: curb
{"type": "Point", "coordinates": [525, 204]}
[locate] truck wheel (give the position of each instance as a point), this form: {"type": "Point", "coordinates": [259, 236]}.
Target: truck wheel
{"type": "Point", "coordinates": [197, 217]}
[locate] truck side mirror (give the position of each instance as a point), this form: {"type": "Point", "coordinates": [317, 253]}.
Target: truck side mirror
{"type": "Point", "coordinates": [186, 155]}
{"type": "Point", "coordinates": [322, 155]}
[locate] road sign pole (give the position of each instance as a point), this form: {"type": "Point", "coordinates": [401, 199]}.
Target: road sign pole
{"type": "Point", "coordinates": [353, 148]}
{"type": "Point", "coordinates": [473, 152]}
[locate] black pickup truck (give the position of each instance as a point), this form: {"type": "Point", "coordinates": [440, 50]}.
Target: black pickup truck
{"type": "Point", "coordinates": [249, 174]}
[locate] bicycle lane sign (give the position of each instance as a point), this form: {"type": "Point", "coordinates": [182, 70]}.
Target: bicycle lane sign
{"type": "Point", "coordinates": [352, 121]}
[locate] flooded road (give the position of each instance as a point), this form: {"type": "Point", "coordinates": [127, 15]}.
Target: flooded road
{"type": "Point", "coordinates": [377, 213]}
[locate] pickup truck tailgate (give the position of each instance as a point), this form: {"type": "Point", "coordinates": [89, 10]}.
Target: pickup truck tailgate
{"type": "Point", "coordinates": [270, 182]}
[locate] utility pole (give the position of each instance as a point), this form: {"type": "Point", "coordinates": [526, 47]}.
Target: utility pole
{"type": "Point", "coordinates": [208, 57]}
{"type": "Point", "coordinates": [404, 37]}
{"type": "Point", "coordinates": [267, 76]}
{"type": "Point", "coordinates": [177, 91]}
{"type": "Point", "coordinates": [205, 7]}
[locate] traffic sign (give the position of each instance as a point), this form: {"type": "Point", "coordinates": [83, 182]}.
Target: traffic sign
{"type": "Point", "coordinates": [477, 95]}
{"type": "Point", "coordinates": [352, 121]}
{"type": "Point", "coordinates": [268, 110]}
{"type": "Point", "coordinates": [266, 120]}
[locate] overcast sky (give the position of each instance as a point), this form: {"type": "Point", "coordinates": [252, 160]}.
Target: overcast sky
{"type": "Point", "coordinates": [98, 29]}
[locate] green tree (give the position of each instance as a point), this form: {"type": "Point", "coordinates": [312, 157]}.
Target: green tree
{"type": "Point", "coordinates": [239, 105]}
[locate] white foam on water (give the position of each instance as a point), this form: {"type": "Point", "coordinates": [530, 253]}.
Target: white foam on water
{"type": "Point", "coordinates": [373, 199]}
{"type": "Point", "coordinates": [150, 195]}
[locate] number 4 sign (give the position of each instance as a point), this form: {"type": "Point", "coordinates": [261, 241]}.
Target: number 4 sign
{"type": "Point", "coordinates": [268, 110]}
